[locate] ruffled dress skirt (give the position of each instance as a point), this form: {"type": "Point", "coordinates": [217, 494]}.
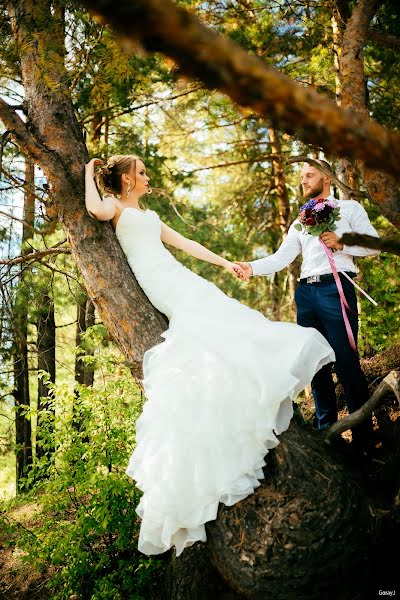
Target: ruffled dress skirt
{"type": "Point", "coordinates": [219, 390]}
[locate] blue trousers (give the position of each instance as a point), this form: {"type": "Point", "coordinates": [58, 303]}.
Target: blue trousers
{"type": "Point", "coordinates": [318, 305]}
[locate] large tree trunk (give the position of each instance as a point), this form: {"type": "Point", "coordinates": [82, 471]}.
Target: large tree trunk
{"type": "Point", "coordinates": [309, 514]}
{"type": "Point", "coordinates": [23, 428]}
{"type": "Point", "coordinates": [192, 576]}
{"type": "Point", "coordinates": [304, 534]}
{"type": "Point", "coordinates": [284, 216]}
{"type": "Point", "coordinates": [46, 361]}
{"type": "Point", "coordinates": [383, 188]}
{"type": "Point", "coordinates": [84, 373]}
{"type": "Point", "coordinates": [345, 168]}
{"type": "Point", "coordinates": [56, 143]}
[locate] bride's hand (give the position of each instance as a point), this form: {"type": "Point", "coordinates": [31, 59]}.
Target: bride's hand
{"type": "Point", "coordinates": [234, 269]}
{"type": "Point", "coordinates": [89, 167]}
{"type": "Point", "coordinates": [246, 268]}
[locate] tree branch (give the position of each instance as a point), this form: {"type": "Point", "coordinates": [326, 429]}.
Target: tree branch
{"type": "Point", "coordinates": [19, 131]}
{"type": "Point", "coordinates": [107, 109]}
{"type": "Point", "coordinates": [21, 221]}
{"type": "Point", "coordinates": [387, 244]}
{"type": "Point", "coordinates": [221, 64]}
{"type": "Point", "coordinates": [6, 417]}
{"type": "Point", "coordinates": [391, 383]}
{"type": "Point", "coordinates": [390, 41]}
{"type": "Point", "coordinates": [34, 256]}
{"type": "Point", "coordinates": [2, 145]}
{"type": "Point", "coordinates": [243, 161]}
{"type": "Point", "coordinates": [291, 159]}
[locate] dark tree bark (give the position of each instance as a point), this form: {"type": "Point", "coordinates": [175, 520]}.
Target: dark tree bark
{"type": "Point", "coordinates": [303, 535]}
{"type": "Point", "coordinates": [46, 361]}
{"type": "Point", "coordinates": [384, 39]}
{"type": "Point", "coordinates": [192, 576]}
{"type": "Point", "coordinates": [23, 431]}
{"type": "Point", "coordinates": [345, 168]}
{"type": "Point", "coordinates": [23, 428]}
{"type": "Point", "coordinates": [284, 216]}
{"type": "Point", "coordinates": [279, 179]}
{"type": "Point", "coordinates": [84, 373]}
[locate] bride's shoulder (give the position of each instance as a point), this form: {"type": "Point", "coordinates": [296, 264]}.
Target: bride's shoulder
{"type": "Point", "coordinates": [112, 200]}
{"type": "Point", "coordinates": [116, 204]}
{"type": "Point", "coordinates": [106, 209]}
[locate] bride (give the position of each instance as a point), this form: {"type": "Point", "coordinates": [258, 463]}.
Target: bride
{"type": "Point", "coordinates": [219, 388]}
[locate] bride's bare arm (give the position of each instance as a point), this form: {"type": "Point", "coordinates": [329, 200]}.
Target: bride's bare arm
{"type": "Point", "coordinates": [173, 238]}
{"type": "Point", "coordinates": [103, 210]}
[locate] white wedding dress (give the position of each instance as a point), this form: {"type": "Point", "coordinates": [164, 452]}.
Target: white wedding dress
{"type": "Point", "coordinates": [219, 389]}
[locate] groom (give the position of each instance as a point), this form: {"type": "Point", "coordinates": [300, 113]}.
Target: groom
{"type": "Point", "coordinates": [318, 301]}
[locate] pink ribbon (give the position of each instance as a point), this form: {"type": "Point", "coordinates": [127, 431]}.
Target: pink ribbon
{"type": "Point", "coordinates": [343, 301]}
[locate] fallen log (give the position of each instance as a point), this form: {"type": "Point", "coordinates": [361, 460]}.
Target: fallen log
{"type": "Point", "coordinates": [391, 383]}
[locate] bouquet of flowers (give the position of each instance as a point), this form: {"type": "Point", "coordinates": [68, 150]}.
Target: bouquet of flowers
{"type": "Point", "coordinates": [318, 215]}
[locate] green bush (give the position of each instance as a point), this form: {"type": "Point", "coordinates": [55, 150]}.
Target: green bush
{"type": "Point", "coordinates": [88, 527]}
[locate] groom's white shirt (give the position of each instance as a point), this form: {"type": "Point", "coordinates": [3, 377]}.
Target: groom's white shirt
{"type": "Point", "coordinates": [353, 218]}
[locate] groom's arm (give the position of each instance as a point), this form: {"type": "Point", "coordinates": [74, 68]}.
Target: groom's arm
{"type": "Point", "coordinates": [286, 253]}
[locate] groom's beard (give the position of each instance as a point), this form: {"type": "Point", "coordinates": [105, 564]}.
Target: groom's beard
{"type": "Point", "coordinates": [315, 191]}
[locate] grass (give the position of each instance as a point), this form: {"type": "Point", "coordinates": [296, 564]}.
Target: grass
{"type": "Point", "coordinates": [7, 476]}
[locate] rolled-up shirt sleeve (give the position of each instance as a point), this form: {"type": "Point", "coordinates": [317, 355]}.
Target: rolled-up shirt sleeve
{"type": "Point", "coordinates": [286, 253]}
{"type": "Point", "coordinates": [360, 223]}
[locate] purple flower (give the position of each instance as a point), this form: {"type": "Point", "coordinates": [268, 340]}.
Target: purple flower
{"type": "Point", "coordinates": [309, 204]}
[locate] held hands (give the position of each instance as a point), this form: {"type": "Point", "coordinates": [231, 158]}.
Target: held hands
{"type": "Point", "coordinates": [331, 240]}
{"type": "Point", "coordinates": [234, 269]}
{"type": "Point", "coordinates": [246, 270]}
{"type": "Point", "coordinates": [241, 270]}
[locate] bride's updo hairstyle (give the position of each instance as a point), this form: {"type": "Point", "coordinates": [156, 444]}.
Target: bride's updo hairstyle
{"type": "Point", "coordinates": [109, 176]}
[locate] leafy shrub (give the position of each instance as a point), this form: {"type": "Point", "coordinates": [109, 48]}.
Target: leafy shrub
{"type": "Point", "coordinates": [88, 527]}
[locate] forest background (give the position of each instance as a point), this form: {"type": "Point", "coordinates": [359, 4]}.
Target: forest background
{"type": "Point", "coordinates": [222, 175]}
